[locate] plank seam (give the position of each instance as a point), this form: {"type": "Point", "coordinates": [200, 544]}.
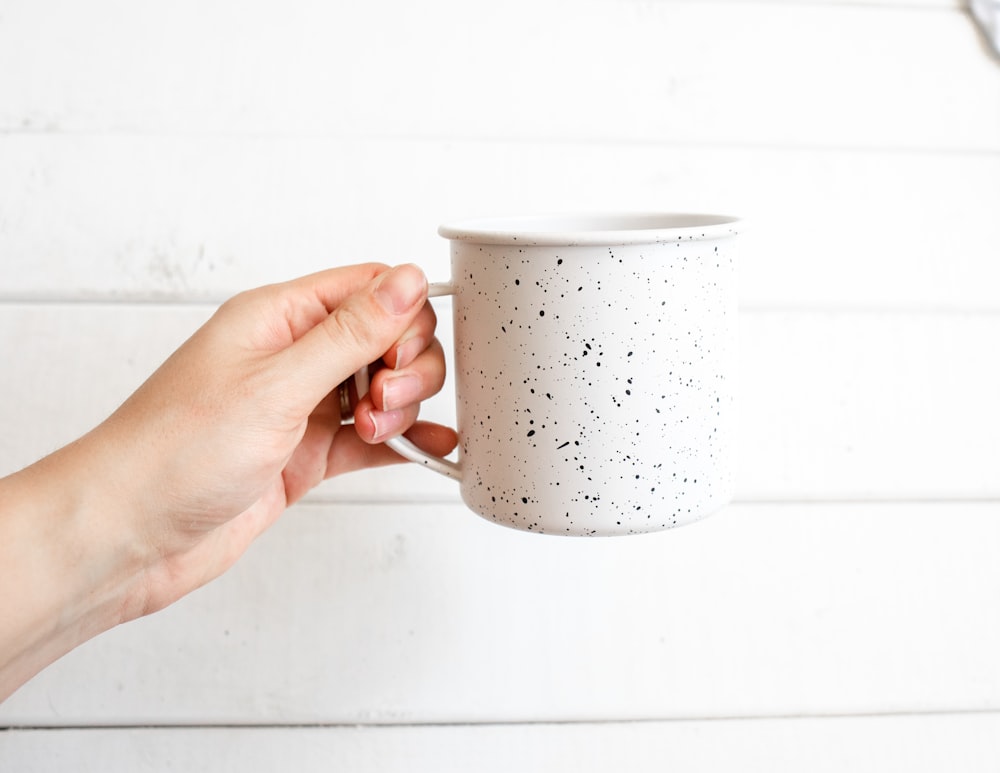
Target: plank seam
{"type": "Point", "coordinates": [320, 501]}
{"type": "Point", "coordinates": [832, 716]}
{"type": "Point", "coordinates": [790, 146]}
{"type": "Point", "coordinates": [211, 302]}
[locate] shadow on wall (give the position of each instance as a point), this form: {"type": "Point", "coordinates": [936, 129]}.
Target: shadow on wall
{"type": "Point", "coordinates": [986, 13]}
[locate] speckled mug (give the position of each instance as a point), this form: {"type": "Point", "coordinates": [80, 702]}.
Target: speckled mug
{"type": "Point", "coordinates": [594, 370]}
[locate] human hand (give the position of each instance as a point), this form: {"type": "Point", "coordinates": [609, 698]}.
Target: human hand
{"type": "Point", "coordinates": [242, 420]}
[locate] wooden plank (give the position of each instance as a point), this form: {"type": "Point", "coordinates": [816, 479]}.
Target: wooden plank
{"type": "Point", "coordinates": [201, 218]}
{"type": "Point", "coordinates": [870, 406]}
{"type": "Point", "coordinates": [690, 72]}
{"type": "Point", "coordinates": [859, 744]}
{"type": "Point", "coordinates": [836, 405]}
{"type": "Point", "coordinates": [408, 614]}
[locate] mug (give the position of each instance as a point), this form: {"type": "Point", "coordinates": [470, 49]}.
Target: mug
{"type": "Point", "coordinates": [594, 370]}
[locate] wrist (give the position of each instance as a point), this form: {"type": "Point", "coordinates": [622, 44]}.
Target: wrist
{"type": "Point", "coordinates": [75, 568]}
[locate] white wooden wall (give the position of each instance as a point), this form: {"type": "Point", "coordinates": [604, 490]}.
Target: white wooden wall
{"type": "Point", "coordinates": [844, 614]}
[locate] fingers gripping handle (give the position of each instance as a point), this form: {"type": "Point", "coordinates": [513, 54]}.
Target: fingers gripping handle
{"type": "Point", "coordinates": [401, 445]}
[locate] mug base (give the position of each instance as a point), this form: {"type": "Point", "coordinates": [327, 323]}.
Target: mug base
{"type": "Point", "coordinates": [567, 525]}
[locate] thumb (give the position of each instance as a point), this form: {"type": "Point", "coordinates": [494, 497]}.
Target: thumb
{"type": "Point", "coordinates": [357, 332]}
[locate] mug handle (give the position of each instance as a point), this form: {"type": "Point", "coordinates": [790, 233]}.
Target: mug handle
{"type": "Point", "coordinates": [400, 444]}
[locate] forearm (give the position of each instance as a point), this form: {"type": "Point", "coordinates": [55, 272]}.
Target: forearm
{"type": "Point", "coordinates": [68, 568]}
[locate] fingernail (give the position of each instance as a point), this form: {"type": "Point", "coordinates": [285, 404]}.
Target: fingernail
{"type": "Point", "coordinates": [386, 424]}
{"type": "Point", "coordinates": [407, 351]}
{"type": "Point", "coordinates": [401, 288]}
{"type": "Point", "coordinates": [399, 391]}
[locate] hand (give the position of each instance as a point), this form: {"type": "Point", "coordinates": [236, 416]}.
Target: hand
{"type": "Point", "coordinates": [239, 422]}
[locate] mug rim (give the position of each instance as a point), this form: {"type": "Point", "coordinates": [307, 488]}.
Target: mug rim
{"type": "Point", "coordinates": [591, 228]}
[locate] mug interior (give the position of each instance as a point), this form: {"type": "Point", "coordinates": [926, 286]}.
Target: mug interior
{"type": "Point", "coordinates": [579, 229]}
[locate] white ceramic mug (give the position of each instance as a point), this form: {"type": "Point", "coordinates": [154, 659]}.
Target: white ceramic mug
{"type": "Point", "coordinates": [594, 370]}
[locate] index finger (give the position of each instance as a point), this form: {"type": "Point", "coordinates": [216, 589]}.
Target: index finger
{"type": "Point", "coordinates": [357, 331]}
{"type": "Point", "coordinates": [310, 299]}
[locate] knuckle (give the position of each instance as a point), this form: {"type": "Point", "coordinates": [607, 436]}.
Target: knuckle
{"type": "Point", "coordinates": [346, 327]}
